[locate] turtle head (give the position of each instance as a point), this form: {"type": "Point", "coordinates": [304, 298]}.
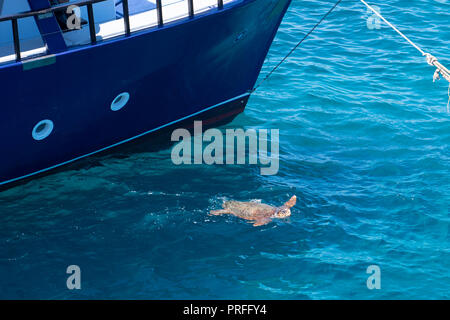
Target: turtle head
{"type": "Point", "coordinates": [285, 210]}
{"type": "Point", "coordinates": [282, 212]}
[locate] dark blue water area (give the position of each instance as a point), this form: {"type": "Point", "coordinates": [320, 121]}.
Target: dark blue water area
{"type": "Point", "coordinates": [364, 144]}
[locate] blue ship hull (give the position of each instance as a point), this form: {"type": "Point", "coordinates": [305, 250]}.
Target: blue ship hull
{"type": "Point", "coordinates": [199, 68]}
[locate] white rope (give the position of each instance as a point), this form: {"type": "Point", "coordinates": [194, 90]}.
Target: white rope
{"type": "Point", "coordinates": [431, 60]}
{"type": "Point", "coordinates": [393, 27]}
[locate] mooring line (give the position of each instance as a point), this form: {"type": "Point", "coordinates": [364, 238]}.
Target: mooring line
{"type": "Point", "coordinates": [393, 27]}
{"type": "Point", "coordinates": [297, 45]}
{"type": "Point", "coordinates": [441, 70]}
{"type": "Point", "coordinates": [431, 60]}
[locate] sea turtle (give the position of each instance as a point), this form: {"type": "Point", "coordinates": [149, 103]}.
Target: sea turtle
{"type": "Point", "coordinates": [259, 213]}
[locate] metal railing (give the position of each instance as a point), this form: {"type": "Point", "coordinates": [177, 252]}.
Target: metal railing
{"type": "Point", "coordinates": [91, 21]}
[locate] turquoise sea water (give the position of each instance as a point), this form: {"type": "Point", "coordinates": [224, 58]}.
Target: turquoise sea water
{"type": "Point", "coordinates": [364, 144]}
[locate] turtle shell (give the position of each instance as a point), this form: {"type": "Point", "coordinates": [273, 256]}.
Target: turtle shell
{"type": "Point", "coordinates": [248, 210]}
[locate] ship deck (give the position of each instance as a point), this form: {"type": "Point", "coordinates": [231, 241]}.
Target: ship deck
{"type": "Point", "coordinates": [142, 15]}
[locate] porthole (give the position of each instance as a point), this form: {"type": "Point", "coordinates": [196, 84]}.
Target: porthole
{"type": "Point", "coordinates": [120, 101]}
{"type": "Point", "coordinates": [42, 130]}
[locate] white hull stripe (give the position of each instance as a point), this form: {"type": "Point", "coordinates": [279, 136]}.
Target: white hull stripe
{"type": "Point", "coordinates": [125, 141]}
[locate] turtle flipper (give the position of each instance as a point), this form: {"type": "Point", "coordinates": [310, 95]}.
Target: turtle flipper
{"type": "Point", "coordinates": [219, 212]}
{"type": "Point", "coordinates": [261, 222]}
{"type": "Point", "coordinates": [292, 201]}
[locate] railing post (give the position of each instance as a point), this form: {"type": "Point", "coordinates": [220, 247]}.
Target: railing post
{"type": "Point", "coordinates": [220, 4]}
{"type": "Point", "coordinates": [15, 30]}
{"type": "Point", "coordinates": [91, 23]}
{"type": "Point", "coordinates": [126, 17]}
{"type": "Point", "coordinates": [159, 12]}
{"type": "Point", "coordinates": [191, 8]}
